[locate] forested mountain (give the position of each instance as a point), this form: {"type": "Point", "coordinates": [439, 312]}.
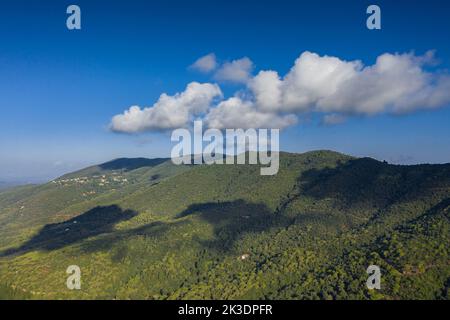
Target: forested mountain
{"type": "Point", "coordinates": [148, 229]}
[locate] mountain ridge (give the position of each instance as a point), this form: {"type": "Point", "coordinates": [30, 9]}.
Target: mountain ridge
{"type": "Point", "coordinates": [188, 227]}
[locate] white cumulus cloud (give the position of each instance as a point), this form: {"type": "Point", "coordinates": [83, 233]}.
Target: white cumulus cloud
{"type": "Point", "coordinates": [169, 111]}
{"type": "Point", "coordinates": [396, 83]}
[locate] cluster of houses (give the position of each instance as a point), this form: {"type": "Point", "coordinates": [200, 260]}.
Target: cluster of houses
{"type": "Point", "coordinates": [99, 180]}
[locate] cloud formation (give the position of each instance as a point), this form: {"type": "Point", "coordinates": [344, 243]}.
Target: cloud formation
{"type": "Point", "coordinates": [168, 112]}
{"type": "Point", "coordinates": [335, 88]}
{"type": "Point", "coordinates": [237, 71]}
{"type": "Point", "coordinates": [396, 83]}
{"type": "Point", "coordinates": [205, 64]}
{"type": "Point", "coordinates": [237, 113]}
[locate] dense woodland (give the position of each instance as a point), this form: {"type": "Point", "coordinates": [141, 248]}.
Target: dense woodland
{"type": "Point", "coordinates": [147, 229]}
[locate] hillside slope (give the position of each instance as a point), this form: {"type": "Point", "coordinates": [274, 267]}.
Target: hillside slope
{"type": "Point", "coordinates": [148, 229]}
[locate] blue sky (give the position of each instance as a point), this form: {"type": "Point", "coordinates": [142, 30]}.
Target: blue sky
{"type": "Point", "coordinates": [59, 89]}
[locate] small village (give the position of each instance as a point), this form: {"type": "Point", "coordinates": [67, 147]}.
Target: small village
{"type": "Point", "coordinates": [97, 180]}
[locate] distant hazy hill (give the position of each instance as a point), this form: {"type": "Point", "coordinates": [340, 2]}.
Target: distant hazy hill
{"type": "Point", "coordinates": [147, 229]}
{"type": "Point", "coordinates": [6, 185]}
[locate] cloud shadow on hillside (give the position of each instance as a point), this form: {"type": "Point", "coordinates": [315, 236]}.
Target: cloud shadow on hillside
{"type": "Point", "coordinates": [53, 236]}
{"type": "Point", "coordinates": [231, 220]}
{"type": "Point", "coordinates": [362, 183]}
{"type": "Point", "coordinates": [366, 180]}
{"type": "Point", "coordinates": [127, 164]}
